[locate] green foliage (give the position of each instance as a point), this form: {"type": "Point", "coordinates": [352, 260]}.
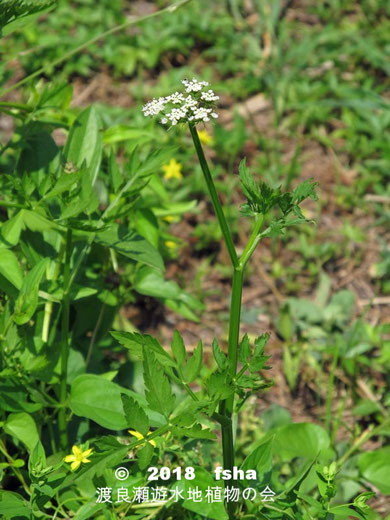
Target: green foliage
{"type": "Point", "coordinates": [93, 174]}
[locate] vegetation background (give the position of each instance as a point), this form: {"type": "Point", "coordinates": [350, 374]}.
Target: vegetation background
{"type": "Point", "coordinates": [304, 93]}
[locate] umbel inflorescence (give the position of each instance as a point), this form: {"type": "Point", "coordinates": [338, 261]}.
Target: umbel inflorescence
{"type": "Point", "coordinates": [196, 104]}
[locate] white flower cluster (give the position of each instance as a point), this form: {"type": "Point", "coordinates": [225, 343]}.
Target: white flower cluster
{"type": "Point", "coordinates": [196, 107]}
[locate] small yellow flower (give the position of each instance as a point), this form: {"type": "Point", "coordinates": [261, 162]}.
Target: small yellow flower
{"type": "Point", "coordinates": [169, 218]}
{"type": "Point", "coordinates": [139, 436]}
{"type": "Point", "coordinates": [170, 244]}
{"type": "Point", "coordinates": [172, 170]}
{"type": "Point", "coordinates": [205, 137]}
{"type": "Point", "coordinates": [78, 456]}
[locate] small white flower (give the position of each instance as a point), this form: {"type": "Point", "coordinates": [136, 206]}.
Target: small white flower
{"type": "Point", "coordinates": [197, 106]}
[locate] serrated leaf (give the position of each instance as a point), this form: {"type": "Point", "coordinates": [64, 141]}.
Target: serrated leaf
{"type": "Point", "coordinates": [145, 455]}
{"type": "Point", "coordinates": [194, 364]}
{"type": "Point", "coordinates": [136, 342]}
{"type": "Point", "coordinates": [64, 183]}
{"type": "Point", "coordinates": [158, 389]}
{"type": "Point", "coordinates": [194, 432]}
{"type": "Point", "coordinates": [244, 350]}
{"type": "Point", "coordinates": [134, 246]}
{"type": "Point", "coordinates": [135, 415]}
{"type": "Point", "coordinates": [219, 356]}
{"type": "Point", "coordinates": [178, 348]}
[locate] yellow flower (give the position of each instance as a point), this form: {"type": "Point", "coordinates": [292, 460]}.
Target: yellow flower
{"type": "Point", "coordinates": [170, 244]}
{"type": "Point", "coordinates": [78, 456]}
{"type": "Point", "coordinates": [205, 137]}
{"type": "Point", "coordinates": [169, 218]}
{"type": "Point", "coordinates": [172, 170]}
{"type": "Point", "coordinates": [139, 436]}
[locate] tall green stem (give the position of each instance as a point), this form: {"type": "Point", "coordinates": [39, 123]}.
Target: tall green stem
{"type": "Point", "coordinates": [226, 407]}
{"type": "Point", "coordinates": [62, 423]}
{"type": "Point", "coordinates": [214, 197]}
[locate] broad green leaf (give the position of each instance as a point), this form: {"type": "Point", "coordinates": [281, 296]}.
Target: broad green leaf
{"type": "Point", "coordinates": [345, 512]}
{"type": "Point", "coordinates": [192, 368]}
{"type": "Point", "coordinates": [9, 267]}
{"type": "Point", "coordinates": [131, 245]}
{"type": "Point", "coordinates": [147, 225]}
{"type": "Point", "coordinates": [178, 348]}
{"type": "Point", "coordinates": [84, 143]}
{"type": "Point", "coordinates": [37, 222]}
{"type": "Point", "coordinates": [98, 399]}
{"type": "Point", "coordinates": [158, 389]}
{"type": "Point", "coordinates": [260, 459]}
{"type": "Point", "coordinates": [151, 282]}
{"type": "Point", "coordinates": [22, 426]}
{"type": "Point", "coordinates": [13, 506]}
{"type": "Point", "coordinates": [27, 300]}
{"type": "Point", "coordinates": [300, 440]}
{"type": "Point", "coordinates": [40, 155]}
{"type": "Point", "coordinates": [11, 229]}
{"type": "Point", "coordinates": [135, 415]}
{"type": "Point", "coordinates": [375, 467]}
{"type": "Point", "coordinates": [203, 480]}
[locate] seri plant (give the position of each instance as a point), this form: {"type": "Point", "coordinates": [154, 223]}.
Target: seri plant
{"type": "Point", "coordinates": [225, 391]}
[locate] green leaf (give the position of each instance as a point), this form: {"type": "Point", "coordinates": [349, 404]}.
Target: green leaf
{"type": "Point", "coordinates": [345, 512]}
{"type": "Point", "coordinates": [178, 348]}
{"type": "Point", "coordinates": [203, 480]}
{"type": "Point", "coordinates": [37, 460]}
{"type": "Point", "coordinates": [245, 350]}
{"type": "Point", "coordinates": [135, 415]}
{"type": "Point", "coordinates": [27, 300]}
{"type": "Point", "coordinates": [84, 143]}
{"type": "Point", "coordinates": [136, 343]}
{"type": "Point", "coordinates": [119, 133]}
{"type": "Point", "coordinates": [64, 183]}
{"type": "Point", "coordinates": [196, 431]}
{"type": "Point", "coordinates": [145, 455]}
{"type": "Point", "coordinates": [11, 229]}
{"type": "Point", "coordinates": [37, 222]}
{"type": "Point", "coordinates": [22, 426]}
{"type": "Point", "coordinates": [115, 173]}
{"type": "Point", "coordinates": [219, 356]}
{"type": "Point", "coordinates": [100, 400]}
{"type": "Point", "coordinates": [13, 506]}
{"type": "Point", "coordinates": [300, 440]}
{"type": "Point", "coordinates": [9, 267]}
{"type": "Point", "coordinates": [375, 467]}
{"type": "Point", "coordinates": [131, 245]}
{"type": "Point", "coordinates": [151, 283]}
{"type": "Point", "coordinates": [260, 459]}
{"type": "Point", "coordinates": [194, 364]}
{"type": "Point", "coordinates": [158, 389]}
